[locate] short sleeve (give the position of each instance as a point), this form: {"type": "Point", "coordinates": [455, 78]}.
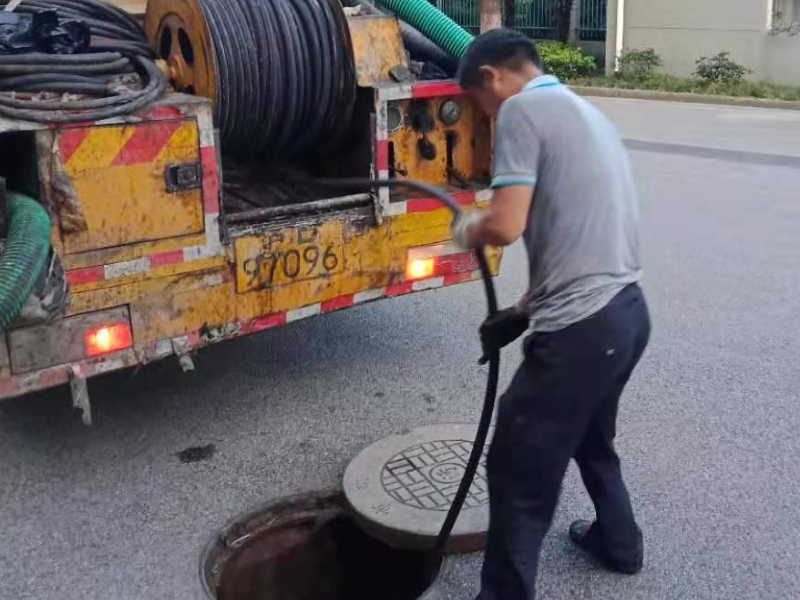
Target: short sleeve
{"type": "Point", "coordinates": [517, 147]}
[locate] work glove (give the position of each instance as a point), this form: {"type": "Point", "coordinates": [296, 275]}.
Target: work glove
{"type": "Point", "coordinates": [502, 328]}
{"type": "Point", "coordinates": [462, 223]}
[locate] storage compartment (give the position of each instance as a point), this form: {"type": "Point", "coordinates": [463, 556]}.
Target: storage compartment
{"type": "Point", "coordinates": [134, 183]}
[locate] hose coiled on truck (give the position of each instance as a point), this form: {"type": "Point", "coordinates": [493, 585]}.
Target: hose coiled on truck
{"type": "Point", "coordinates": [119, 47]}
{"type": "Point", "coordinates": [25, 255]}
{"type": "Point", "coordinates": [286, 74]}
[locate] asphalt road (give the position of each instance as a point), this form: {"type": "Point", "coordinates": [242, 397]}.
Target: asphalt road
{"type": "Point", "coordinates": [709, 425]}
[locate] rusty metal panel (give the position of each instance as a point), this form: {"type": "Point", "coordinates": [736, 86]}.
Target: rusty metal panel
{"type": "Point", "coordinates": [463, 148]}
{"type": "Point", "coordinates": [120, 175]}
{"type": "Point", "coordinates": [377, 47]}
{"type": "Point", "coordinates": [286, 255]}
{"type": "Point", "coordinates": [56, 343]}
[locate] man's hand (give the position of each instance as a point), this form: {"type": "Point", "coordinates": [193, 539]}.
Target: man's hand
{"type": "Point", "coordinates": [499, 330]}
{"type": "Point", "coordinates": [501, 224]}
{"type": "Point", "coordinates": [462, 229]}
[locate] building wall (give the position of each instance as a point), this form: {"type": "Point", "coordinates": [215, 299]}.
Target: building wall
{"type": "Point", "coordinates": [681, 31]}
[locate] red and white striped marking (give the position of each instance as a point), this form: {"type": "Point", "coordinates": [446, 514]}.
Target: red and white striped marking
{"type": "Point", "coordinates": [29, 382]}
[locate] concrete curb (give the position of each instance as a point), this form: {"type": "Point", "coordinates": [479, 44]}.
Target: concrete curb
{"type": "Point", "coordinates": [601, 92]}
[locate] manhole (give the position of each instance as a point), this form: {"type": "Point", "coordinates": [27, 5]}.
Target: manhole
{"type": "Point", "coordinates": [310, 548]}
{"type": "Point", "coordinates": [402, 487]}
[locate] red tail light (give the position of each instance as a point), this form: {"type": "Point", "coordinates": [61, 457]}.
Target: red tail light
{"type": "Point", "coordinates": [439, 260]}
{"type": "Point", "coordinates": [108, 338]}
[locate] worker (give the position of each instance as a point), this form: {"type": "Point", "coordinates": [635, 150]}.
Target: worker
{"type": "Point", "coordinates": [562, 180]}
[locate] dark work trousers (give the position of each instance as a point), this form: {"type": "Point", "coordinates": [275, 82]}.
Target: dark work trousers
{"type": "Point", "coordinates": [562, 404]}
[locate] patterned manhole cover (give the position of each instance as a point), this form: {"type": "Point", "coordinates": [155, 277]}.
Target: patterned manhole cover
{"type": "Point", "coordinates": [427, 476]}
{"type": "Point", "coordinates": [401, 487]}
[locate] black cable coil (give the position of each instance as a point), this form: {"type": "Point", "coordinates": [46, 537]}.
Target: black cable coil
{"type": "Point", "coordinates": [286, 74]}
{"type": "Point", "coordinates": [118, 47]}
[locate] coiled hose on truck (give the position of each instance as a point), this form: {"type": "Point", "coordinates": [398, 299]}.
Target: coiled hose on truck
{"type": "Point", "coordinates": [118, 48]}
{"type": "Point", "coordinates": [25, 255]}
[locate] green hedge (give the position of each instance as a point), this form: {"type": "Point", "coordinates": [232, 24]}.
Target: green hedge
{"type": "Point", "coordinates": [565, 61]}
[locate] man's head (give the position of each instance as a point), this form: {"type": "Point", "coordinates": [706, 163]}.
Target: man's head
{"type": "Point", "coordinates": [497, 65]}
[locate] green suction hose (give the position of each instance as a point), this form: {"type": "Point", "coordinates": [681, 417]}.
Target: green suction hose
{"type": "Point", "coordinates": [25, 255]}
{"type": "Point", "coordinates": [436, 25]}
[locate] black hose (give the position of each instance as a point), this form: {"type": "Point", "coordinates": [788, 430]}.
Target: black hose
{"type": "Point", "coordinates": [493, 378]}
{"type": "Point", "coordinates": [286, 75]}
{"type": "Point", "coordinates": [119, 47]}
{"type": "Point", "coordinates": [88, 110]}
{"type": "Point", "coordinates": [39, 58]}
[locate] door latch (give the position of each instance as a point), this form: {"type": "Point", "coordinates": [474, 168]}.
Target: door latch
{"type": "Point", "coordinates": [183, 177]}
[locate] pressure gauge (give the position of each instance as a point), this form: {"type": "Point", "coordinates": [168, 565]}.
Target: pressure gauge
{"type": "Point", "coordinates": [450, 112]}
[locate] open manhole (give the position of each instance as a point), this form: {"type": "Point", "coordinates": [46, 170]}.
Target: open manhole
{"type": "Point", "coordinates": [309, 548]}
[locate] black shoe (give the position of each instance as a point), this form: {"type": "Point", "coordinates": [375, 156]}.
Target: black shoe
{"type": "Point", "coordinates": [587, 537]}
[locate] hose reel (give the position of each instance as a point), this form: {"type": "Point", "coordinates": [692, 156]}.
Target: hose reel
{"type": "Point", "coordinates": [280, 73]}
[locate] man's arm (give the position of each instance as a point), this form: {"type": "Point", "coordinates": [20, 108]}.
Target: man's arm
{"type": "Point", "coordinates": [506, 218]}
{"type": "Point", "coordinates": [517, 152]}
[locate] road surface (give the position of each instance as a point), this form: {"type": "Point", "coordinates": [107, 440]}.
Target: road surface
{"type": "Point", "coordinates": [709, 425]}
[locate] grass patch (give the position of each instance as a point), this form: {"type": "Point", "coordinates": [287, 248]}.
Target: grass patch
{"type": "Point", "coordinates": [693, 85]}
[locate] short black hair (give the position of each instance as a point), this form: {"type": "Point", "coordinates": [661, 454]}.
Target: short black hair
{"type": "Point", "coordinates": [494, 48]}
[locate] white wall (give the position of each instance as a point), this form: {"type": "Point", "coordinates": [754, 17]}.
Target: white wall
{"type": "Point", "coordinates": [681, 31]}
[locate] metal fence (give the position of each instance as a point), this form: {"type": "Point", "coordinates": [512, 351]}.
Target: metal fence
{"type": "Point", "coordinates": [466, 13]}
{"type": "Point", "coordinates": [592, 22]}
{"type": "Point", "coordinates": [535, 18]}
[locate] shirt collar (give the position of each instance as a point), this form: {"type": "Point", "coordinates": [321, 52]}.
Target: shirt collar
{"type": "Point", "coordinates": [542, 81]}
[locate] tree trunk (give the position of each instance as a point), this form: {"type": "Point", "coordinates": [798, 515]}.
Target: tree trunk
{"type": "Point", "coordinates": [562, 10]}
{"type": "Point", "coordinates": [491, 14]}
{"type": "Point", "coordinates": [509, 8]}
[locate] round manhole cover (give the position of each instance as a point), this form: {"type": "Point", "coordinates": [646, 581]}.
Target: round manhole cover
{"type": "Point", "coordinates": [402, 487]}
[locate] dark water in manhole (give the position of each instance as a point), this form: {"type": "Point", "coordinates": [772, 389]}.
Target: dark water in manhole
{"type": "Point", "coordinates": [308, 548]}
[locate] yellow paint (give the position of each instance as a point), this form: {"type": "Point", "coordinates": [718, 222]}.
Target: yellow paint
{"type": "Point", "coordinates": [165, 271]}
{"type": "Point", "coordinates": [100, 148]}
{"type": "Point", "coordinates": [377, 47]}
{"type": "Point", "coordinates": [471, 154]}
{"type": "Point", "coordinates": [182, 298]}
{"type": "Point", "coordinates": [277, 257]}
{"type": "Point", "coordinates": [109, 256]}
{"type": "Point", "coordinates": [180, 312]}
{"type": "Point", "coordinates": [129, 203]}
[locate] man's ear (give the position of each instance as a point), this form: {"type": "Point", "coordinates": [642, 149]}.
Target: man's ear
{"type": "Point", "coordinates": [488, 76]}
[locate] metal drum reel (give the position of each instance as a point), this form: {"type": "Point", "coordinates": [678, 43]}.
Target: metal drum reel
{"type": "Point", "coordinates": [179, 33]}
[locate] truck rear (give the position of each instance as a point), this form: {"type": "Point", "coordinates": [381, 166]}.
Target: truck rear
{"type": "Point", "coordinates": [163, 242]}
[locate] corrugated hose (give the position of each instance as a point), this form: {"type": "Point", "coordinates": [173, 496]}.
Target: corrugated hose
{"type": "Point", "coordinates": [25, 255]}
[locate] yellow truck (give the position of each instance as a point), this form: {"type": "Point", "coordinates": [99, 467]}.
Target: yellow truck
{"type": "Point", "coordinates": [162, 252]}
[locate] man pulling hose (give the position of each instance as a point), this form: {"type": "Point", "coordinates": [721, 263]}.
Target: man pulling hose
{"type": "Point", "coordinates": [563, 182]}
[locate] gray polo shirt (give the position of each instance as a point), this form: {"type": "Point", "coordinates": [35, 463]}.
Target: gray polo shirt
{"type": "Point", "coordinates": [582, 234]}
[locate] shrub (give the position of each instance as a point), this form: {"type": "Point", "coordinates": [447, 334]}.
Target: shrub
{"type": "Point", "coordinates": [638, 64]}
{"type": "Point", "coordinates": [720, 68]}
{"type": "Point", "coordinates": [565, 61]}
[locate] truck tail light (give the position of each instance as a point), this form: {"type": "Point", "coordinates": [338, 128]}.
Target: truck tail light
{"type": "Point", "coordinates": [108, 338]}
{"type": "Point", "coordinates": [420, 268]}
{"type": "Point", "coordinates": [439, 260]}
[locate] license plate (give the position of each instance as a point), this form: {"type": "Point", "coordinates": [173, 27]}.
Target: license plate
{"type": "Point", "coordinates": [285, 256]}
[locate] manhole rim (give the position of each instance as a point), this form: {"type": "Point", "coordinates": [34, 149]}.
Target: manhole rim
{"type": "Point", "coordinates": [334, 498]}
{"type": "Point", "coordinates": [399, 524]}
